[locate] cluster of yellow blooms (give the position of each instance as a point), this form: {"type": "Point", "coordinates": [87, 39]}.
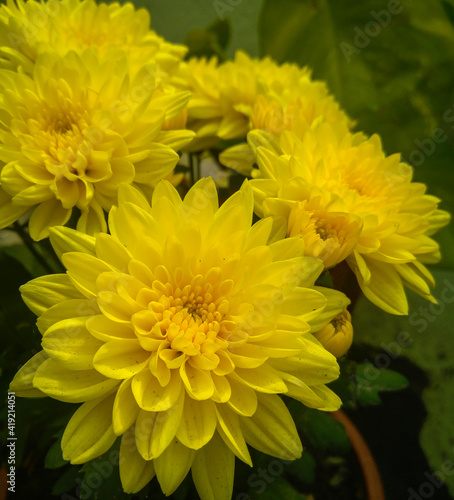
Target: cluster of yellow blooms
{"type": "Point", "coordinates": [178, 323]}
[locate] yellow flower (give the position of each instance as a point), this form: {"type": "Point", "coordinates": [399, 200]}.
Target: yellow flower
{"type": "Point", "coordinates": [337, 336]}
{"type": "Point", "coordinates": [179, 331]}
{"type": "Point", "coordinates": [320, 218]}
{"type": "Point", "coordinates": [232, 98]}
{"type": "Point", "coordinates": [369, 210]}
{"type": "Point", "coordinates": [31, 28]}
{"type": "Point", "coordinates": [77, 130]}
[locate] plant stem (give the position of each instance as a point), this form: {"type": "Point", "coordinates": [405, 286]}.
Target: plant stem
{"type": "Point", "coordinates": [30, 244]}
{"type": "Point", "coordinates": [371, 474]}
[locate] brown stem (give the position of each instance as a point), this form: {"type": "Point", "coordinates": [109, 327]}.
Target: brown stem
{"type": "Point", "coordinates": [344, 279]}
{"type": "Point", "coordinates": [371, 474]}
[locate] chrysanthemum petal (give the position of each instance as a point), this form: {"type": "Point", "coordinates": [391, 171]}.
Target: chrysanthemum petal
{"type": "Point", "coordinates": [135, 472]}
{"type": "Point", "coordinates": [125, 409]}
{"type": "Point", "coordinates": [213, 470]}
{"type": "Point", "coordinates": [385, 288]}
{"type": "Point", "coordinates": [70, 344]}
{"type": "Point", "coordinates": [65, 385]}
{"type": "Point", "coordinates": [156, 430]}
{"type": "Point", "coordinates": [230, 431]}
{"type": "Point", "coordinates": [198, 383]}
{"type": "Point", "coordinates": [83, 269]}
{"type": "Point", "coordinates": [243, 399]}
{"type": "Point", "coordinates": [22, 383]}
{"type": "Point", "coordinates": [105, 329]}
{"type": "Point", "coordinates": [65, 239]}
{"type": "Point", "coordinates": [173, 465]}
{"type": "Point", "coordinates": [149, 393]}
{"type": "Point", "coordinates": [89, 432]}
{"type": "Point", "coordinates": [120, 359]}
{"type": "Point", "coordinates": [198, 423]}
{"type": "Point", "coordinates": [271, 430]}
{"type": "Point", "coordinates": [47, 214]}
{"type": "Point", "coordinates": [42, 293]}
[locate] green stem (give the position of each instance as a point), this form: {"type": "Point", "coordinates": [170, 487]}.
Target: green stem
{"type": "Point", "coordinates": [30, 244]}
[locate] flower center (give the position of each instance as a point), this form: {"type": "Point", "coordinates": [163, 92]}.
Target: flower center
{"type": "Point", "coordinates": [192, 319]}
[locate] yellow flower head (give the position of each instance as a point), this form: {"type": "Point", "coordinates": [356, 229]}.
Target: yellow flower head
{"type": "Point", "coordinates": [337, 336]}
{"type": "Point", "coordinates": [232, 98]}
{"type": "Point", "coordinates": [77, 130]}
{"type": "Point", "coordinates": [179, 330]}
{"type": "Point", "coordinates": [347, 199]}
{"type": "Point", "coordinates": [30, 28]}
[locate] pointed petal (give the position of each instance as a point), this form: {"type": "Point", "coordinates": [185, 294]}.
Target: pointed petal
{"type": "Point", "coordinates": [173, 465]}
{"type": "Point", "coordinates": [198, 423]}
{"type": "Point", "coordinates": [271, 429]}
{"type": "Point", "coordinates": [71, 386]}
{"type": "Point", "coordinates": [213, 470]}
{"type": "Point", "coordinates": [22, 383]}
{"type": "Point", "coordinates": [42, 293]}
{"type": "Point", "coordinates": [135, 472]}
{"type": "Point", "coordinates": [89, 432]}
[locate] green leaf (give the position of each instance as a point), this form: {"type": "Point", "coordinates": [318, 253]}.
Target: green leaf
{"type": "Point", "coordinates": [67, 481]}
{"type": "Point", "coordinates": [370, 381]}
{"type": "Point", "coordinates": [303, 468]}
{"type": "Point", "coordinates": [324, 433]}
{"type": "Point", "coordinates": [274, 488]}
{"type": "Point", "coordinates": [54, 458]}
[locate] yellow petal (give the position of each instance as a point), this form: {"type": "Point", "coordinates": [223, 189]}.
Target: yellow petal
{"type": "Point", "coordinates": [70, 344]}
{"type": "Point", "coordinates": [271, 429]}
{"type": "Point", "coordinates": [173, 465]}
{"type": "Point", "coordinates": [71, 386]}
{"type": "Point", "coordinates": [230, 431]}
{"type": "Point", "coordinates": [22, 383]}
{"type": "Point", "coordinates": [79, 308]}
{"type": "Point", "coordinates": [156, 430]}
{"type": "Point", "coordinates": [262, 378]}
{"type": "Point", "coordinates": [42, 293]}
{"type": "Point", "coordinates": [385, 288]}
{"type": "Point", "coordinates": [213, 471]}
{"type": "Point", "coordinates": [198, 383]}
{"type": "Point", "coordinates": [65, 239]}
{"type": "Point", "coordinates": [83, 269]}
{"type": "Point", "coordinates": [149, 393]}
{"type": "Point", "coordinates": [125, 409]}
{"type": "Point", "coordinates": [120, 359]}
{"type": "Point", "coordinates": [46, 215]}
{"type": "Point", "coordinates": [89, 432]}
{"type": "Point", "coordinates": [135, 472]}
{"type": "Point", "coordinates": [243, 399]}
{"type": "Point", "coordinates": [198, 423]}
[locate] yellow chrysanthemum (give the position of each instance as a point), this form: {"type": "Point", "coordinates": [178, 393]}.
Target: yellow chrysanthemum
{"type": "Point", "coordinates": [339, 189]}
{"type": "Point", "coordinates": [179, 331]}
{"type": "Point", "coordinates": [27, 29]}
{"type": "Point", "coordinates": [337, 336]}
{"type": "Point", "coordinates": [77, 130]}
{"type": "Point", "coordinates": [232, 98]}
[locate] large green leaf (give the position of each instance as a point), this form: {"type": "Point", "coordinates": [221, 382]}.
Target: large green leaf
{"type": "Point", "coordinates": [426, 338]}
